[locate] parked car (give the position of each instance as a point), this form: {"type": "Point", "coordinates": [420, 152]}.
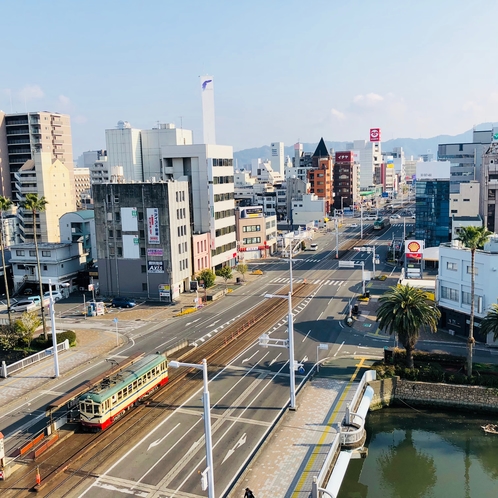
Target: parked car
{"type": "Point", "coordinates": [35, 299]}
{"type": "Point", "coordinates": [123, 302]}
{"type": "Point", "coordinates": [395, 217]}
{"type": "Point", "coordinates": [57, 296]}
{"type": "Point", "coordinates": [314, 247]}
{"type": "Point", "coordinates": [24, 305]}
{"type": "Point", "coordinates": [353, 225]}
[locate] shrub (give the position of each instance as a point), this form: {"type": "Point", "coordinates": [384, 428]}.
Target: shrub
{"type": "Point", "coordinates": [41, 343]}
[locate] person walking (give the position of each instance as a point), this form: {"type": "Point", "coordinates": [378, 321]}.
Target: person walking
{"type": "Point", "coordinates": [248, 493]}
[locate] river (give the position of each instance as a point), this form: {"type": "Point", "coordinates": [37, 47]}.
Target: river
{"type": "Point", "coordinates": [419, 453]}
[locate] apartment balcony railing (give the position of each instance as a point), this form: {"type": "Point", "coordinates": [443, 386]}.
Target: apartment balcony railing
{"type": "Point", "coordinates": [15, 141]}
{"type": "Point", "coordinates": [17, 132]}
{"type": "Point", "coordinates": [16, 122]}
{"type": "Point", "coordinates": [20, 151]}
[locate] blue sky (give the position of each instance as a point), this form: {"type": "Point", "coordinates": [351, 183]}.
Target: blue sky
{"type": "Point", "coordinates": [283, 70]}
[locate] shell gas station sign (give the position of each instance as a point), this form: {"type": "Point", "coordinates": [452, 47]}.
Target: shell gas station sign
{"type": "Point", "coordinates": [414, 249]}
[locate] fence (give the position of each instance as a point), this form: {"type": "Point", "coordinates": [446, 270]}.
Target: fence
{"type": "Point", "coordinates": [7, 370]}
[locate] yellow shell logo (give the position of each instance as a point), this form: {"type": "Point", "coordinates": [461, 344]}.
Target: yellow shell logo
{"type": "Point", "coordinates": [414, 246]}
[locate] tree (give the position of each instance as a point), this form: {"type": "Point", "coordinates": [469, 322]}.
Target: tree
{"type": "Point", "coordinates": [36, 205]}
{"type": "Point", "coordinates": [472, 238]}
{"type": "Point", "coordinates": [404, 310]}
{"type": "Point", "coordinates": [207, 276]}
{"type": "Point", "coordinates": [225, 273]}
{"type": "Point", "coordinates": [5, 205]}
{"type": "Point", "coordinates": [26, 326]}
{"type": "Point", "coordinates": [242, 268]}
{"type": "Point", "coordinates": [490, 322]}
{"type": "Point", "coordinates": [9, 337]}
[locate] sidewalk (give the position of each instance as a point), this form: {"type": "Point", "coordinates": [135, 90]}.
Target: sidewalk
{"type": "Point", "coordinates": [296, 450]}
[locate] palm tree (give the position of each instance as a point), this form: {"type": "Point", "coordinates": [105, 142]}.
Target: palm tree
{"type": "Point", "coordinates": [490, 322]}
{"type": "Point", "coordinates": [404, 310]}
{"type": "Point", "coordinates": [37, 204]}
{"type": "Point", "coordinates": [472, 238]}
{"type": "Point", "coordinates": [5, 205]}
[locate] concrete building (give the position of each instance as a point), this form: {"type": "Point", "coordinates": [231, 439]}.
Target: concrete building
{"type": "Point", "coordinates": [82, 185]}
{"type": "Point", "coordinates": [201, 252]}
{"type": "Point", "coordinates": [459, 222]}
{"type": "Point", "coordinates": [321, 176]}
{"type": "Point", "coordinates": [278, 158]}
{"type": "Point", "coordinates": [432, 199]}
{"type": "Point", "coordinates": [22, 135]}
{"type": "Point", "coordinates": [210, 174]}
{"type": "Point", "coordinates": [51, 179]}
{"type": "Point", "coordinates": [88, 158]}
{"type": "Point", "coordinates": [59, 263]}
{"type": "Point", "coordinates": [369, 157]}
{"type": "Point", "coordinates": [143, 239]}
{"type": "Point", "coordinates": [307, 208]}
{"type": "Point", "coordinates": [302, 162]}
{"type": "Point", "coordinates": [489, 187]}
{"type": "Point", "coordinates": [453, 286]}
{"type": "Point", "coordinates": [79, 227]}
{"type": "Point", "coordinates": [100, 171]}
{"type": "Point", "coordinates": [346, 181]}
{"type": "Point", "coordinates": [466, 201]}
{"type": "Point", "coordinates": [256, 233]}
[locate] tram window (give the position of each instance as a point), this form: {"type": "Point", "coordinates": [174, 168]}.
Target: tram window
{"type": "Point", "coordinates": [135, 385]}
{"type": "Point", "coordinates": [148, 375]}
{"type": "Point", "coordinates": [96, 409]}
{"type": "Point", "coordinates": [114, 400]}
{"type": "Point", "coordinates": [140, 381]}
{"type": "Point", "coordinates": [154, 372]}
{"type": "Point", "coordinates": [120, 395]}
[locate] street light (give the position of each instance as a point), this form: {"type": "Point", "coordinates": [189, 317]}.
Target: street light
{"type": "Point", "coordinates": [292, 365]}
{"type": "Point", "coordinates": [207, 422]}
{"type": "Point", "coordinates": [342, 208]}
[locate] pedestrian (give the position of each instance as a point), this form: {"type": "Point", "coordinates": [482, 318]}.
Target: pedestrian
{"type": "Point", "coordinates": [248, 493]}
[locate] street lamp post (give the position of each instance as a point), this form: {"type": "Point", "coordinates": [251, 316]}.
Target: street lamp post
{"type": "Point", "coordinates": [54, 332]}
{"type": "Point", "coordinates": [361, 221]}
{"type": "Point", "coordinates": [207, 420]}
{"type": "Point", "coordinates": [336, 238]}
{"type": "Point", "coordinates": [292, 373]}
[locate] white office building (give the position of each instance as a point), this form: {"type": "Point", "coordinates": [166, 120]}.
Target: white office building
{"type": "Point", "coordinates": [369, 156]}
{"type": "Point", "coordinates": [278, 158]}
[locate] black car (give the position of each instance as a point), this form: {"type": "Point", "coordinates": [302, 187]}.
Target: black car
{"type": "Point", "coordinates": [123, 302]}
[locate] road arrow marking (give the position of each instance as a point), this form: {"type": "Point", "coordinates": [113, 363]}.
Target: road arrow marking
{"type": "Point", "coordinates": [247, 359]}
{"type": "Point", "coordinates": [213, 324]}
{"type": "Point", "coordinates": [239, 443]}
{"type": "Point", "coordinates": [159, 441]}
{"type": "Point", "coordinates": [274, 359]}
{"type": "Point", "coordinates": [190, 323]}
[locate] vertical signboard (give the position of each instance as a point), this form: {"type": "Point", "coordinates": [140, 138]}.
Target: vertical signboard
{"type": "Point", "coordinates": [374, 134]}
{"type": "Point", "coordinates": [153, 226]}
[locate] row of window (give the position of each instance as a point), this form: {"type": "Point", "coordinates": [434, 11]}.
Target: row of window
{"type": "Point", "coordinates": [222, 162]}
{"type": "Point", "coordinates": [180, 196]}
{"type": "Point", "coordinates": [223, 197]}
{"type": "Point", "coordinates": [202, 263]}
{"type": "Point", "coordinates": [201, 246]}
{"type": "Point", "coordinates": [182, 247]}
{"type": "Point", "coordinates": [22, 252]}
{"type": "Point", "coordinates": [183, 264]}
{"type": "Point", "coordinates": [454, 267]}
{"type": "Point", "coordinates": [182, 230]}
{"type": "Point", "coordinates": [219, 180]}
{"type": "Point", "coordinates": [251, 240]}
{"type": "Point", "coordinates": [224, 248]}
{"type": "Point", "coordinates": [181, 214]}
{"type": "Point", "coordinates": [224, 214]}
{"type": "Point", "coordinates": [225, 230]}
{"type": "Point", "coordinates": [453, 295]}
{"type": "Point", "coordinates": [251, 228]}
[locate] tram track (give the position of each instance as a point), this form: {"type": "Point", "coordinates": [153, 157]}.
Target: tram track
{"type": "Point", "coordinates": [62, 472]}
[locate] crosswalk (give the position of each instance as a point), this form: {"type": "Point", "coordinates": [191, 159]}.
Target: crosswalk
{"type": "Point", "coordinates": [311, 260]}
{"type": "Point", "coordinates": [283, 280]}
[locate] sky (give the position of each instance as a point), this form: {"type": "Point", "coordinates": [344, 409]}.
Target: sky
{"type": "Point", "coordinates": [284, 70]}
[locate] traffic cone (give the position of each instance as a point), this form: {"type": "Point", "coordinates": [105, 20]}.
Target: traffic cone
{"type": "Point", "coordinates": [38, 477]}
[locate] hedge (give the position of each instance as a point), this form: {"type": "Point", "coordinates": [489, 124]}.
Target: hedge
{"type": "Point", "coordinates": [41, 343]}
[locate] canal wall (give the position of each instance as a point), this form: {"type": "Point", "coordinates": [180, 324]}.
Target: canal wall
{"type": "Point", "coordinates": [393, 390]}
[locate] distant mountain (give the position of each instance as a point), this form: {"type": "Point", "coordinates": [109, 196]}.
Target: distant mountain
{"type": "Point", "coordinates": [412, 146]}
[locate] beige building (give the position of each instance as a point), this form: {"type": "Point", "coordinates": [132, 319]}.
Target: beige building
{"type": "Point", "coordinates": [51, 179]}
{"type": "Point", "coordinates": [81, 185]}
{"type": "Point", "coordinates": [466, 202]}
{"type": "Point", "coordinates": [24, 134]}
{"type": "Point", "coordinates": [256, 233]}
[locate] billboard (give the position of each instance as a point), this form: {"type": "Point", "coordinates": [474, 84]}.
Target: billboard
{"type": "Point", "coordinates": [251, 212]}
{"type": "Point", "coordinates": [414, 249]}
{"type": "Point", "coordinates": [344, 157]}
{"type": "Point", "coordinates": [155, 252]}
{"type": "Point", "coordinates": [129, 219]}
{"type": "Point", "coordinates": [155, 267]}
{"type": "Point", "coordinates": [433, 170]}
{"type": "Point", "coordinates": [153, 226]}
{"type": "Point", "coordinates": [374, 134]}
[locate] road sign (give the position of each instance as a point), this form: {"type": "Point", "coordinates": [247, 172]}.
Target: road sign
{"type": "Point", "coordinates": [346, 264]}
{"type": "Point", "coordinates": [115, 320]}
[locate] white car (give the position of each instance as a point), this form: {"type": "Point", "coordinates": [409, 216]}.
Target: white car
{"type": "Point", "coordinates": [353, 225]}
{"type": "Point", "coordinates": [395, 217]}
{"type": "Point", "coordinates": [57, 296]}
{"type": "Point", "coordinates": [23, 306]}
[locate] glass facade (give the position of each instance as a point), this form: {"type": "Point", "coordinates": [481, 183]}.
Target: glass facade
{"type": "Point", "coordinates": [433, 212]}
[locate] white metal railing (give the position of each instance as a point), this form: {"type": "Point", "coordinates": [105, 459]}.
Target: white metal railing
{"type": "Point", "coordinates": [7, 370]}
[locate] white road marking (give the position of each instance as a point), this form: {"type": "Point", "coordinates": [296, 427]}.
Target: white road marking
{"type": "Point", "coordinates": [247, 359]}
{"type": "Point", "coordinates": [159, 441]}
{"type": "Point", "coordinates": [307, 335]}
{"type": "Point", "coordinates": [275, 359]}
{"type": "Point", "coordinates": [339, 348]}
{"type": "Point", "coordinates": [238, 444]}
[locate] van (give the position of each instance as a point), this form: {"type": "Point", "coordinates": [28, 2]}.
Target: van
{"type": "Point", "coordinates": [314, 247]}
{"type": "Point", "coordinates": [23, 306]}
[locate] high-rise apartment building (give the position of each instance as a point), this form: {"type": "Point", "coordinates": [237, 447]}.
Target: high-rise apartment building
{"type": "Point", "coordinates": [369, 157]}
{"type": "Point", "coordinates": [24, 134]}
{"type": "Point", "coordinates": [278, 158]}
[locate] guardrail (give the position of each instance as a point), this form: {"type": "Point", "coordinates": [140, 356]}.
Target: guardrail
{"type": "Point", "coordinates": [7, 370]}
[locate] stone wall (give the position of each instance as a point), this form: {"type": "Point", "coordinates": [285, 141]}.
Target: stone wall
{"type": "Point", "coordinates": [387, 391]}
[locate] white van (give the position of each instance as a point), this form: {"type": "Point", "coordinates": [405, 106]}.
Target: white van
{"type": "Point", "coordinates": [314, 247]}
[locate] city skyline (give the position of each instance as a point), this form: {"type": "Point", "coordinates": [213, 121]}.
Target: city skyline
{"type": "Point", "coordinates": [281, 71]}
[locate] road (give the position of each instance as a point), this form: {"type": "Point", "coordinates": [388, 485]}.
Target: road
{"type": "Point", "coordinates": [247, 396]}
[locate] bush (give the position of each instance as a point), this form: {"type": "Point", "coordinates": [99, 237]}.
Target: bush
{"type": "Point", "coordinates": [41, 343]}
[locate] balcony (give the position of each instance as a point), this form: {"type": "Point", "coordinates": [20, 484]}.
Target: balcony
{"type": "Point", "coordinates": [56, 122]}
{"type": "Point", "coordinates": [20, 151]}
{"type": "Point", "coordinates": [17, 141]}
{"type": "Point", "coordinates": [59, 151]}
{"type": "Point", "coordinates": [36, 130]}
{"type": "Point", "coordinates": [24, 131]}
{"type": "Point", "coordinates": [16, 122]}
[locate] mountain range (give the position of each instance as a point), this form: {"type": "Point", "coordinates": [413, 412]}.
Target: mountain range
{"type": "Point", "coordinates": [411, 146]}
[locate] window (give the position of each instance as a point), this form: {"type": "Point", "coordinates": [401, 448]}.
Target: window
{"type": "Point", "coordinates": [451, 266]}
{"type": "Point", "coordinates": [142, 252]}
{"type": "Point", "coordinates": [117, 216]}
{"type": "Point", "coordinates": [450, 294]}
{"type": "Point", "coordinates": [19, 252]}
{"type": "Point", "coordinates": [469, 270]}
{"type": "Point", "coordinates": [140, 216]}
{"type": "Point", "coordinates": [142, 234]}
{"type": "Point", "coordinates": [45, 267]}
{"type": "Point", "coordinates": [144, 269]}
{"type": "Point", "coordinates": [144, 286]}
{"type": "Point", "coordinates": [46, 254]}
{"type": "Point", "coordinates": [466, 298]}
{"type": "Point", "coordinates": [32, 253]}
{"type": "Point", "coordinates": [111, 234]}
{"type": "Point", "coordinates": [252, 240]}
{"type": "Point", "coordinates": [120, 252]}
{"type": "Point", "coordinates": [251, 228]}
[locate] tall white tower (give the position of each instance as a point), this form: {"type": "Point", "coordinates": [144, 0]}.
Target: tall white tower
{"type": "Point", "coordinates": [277, 157]}
{"type": "Point", "coordinates": [208, 126]}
